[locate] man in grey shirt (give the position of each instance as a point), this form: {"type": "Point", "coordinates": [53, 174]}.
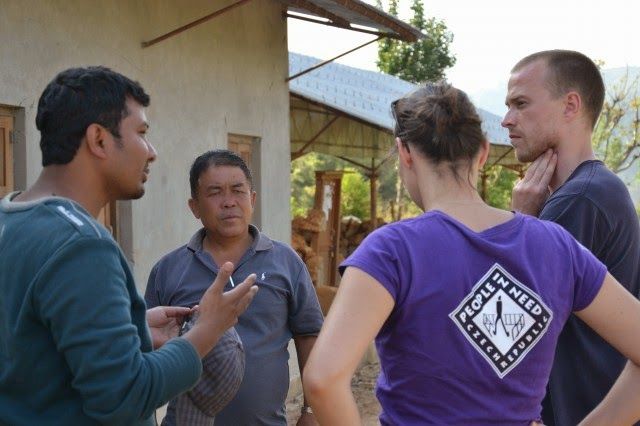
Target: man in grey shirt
{"type": "Point", "coordinates": [285, 307]}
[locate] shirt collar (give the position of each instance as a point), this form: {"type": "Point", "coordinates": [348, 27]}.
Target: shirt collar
{"type": "Point", "coordinates": [260, 241]}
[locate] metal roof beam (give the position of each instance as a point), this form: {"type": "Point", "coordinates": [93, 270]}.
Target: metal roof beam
{"type": "Point", "coordinates": [348, 160]}
{"type": "Point", "coordinates": [330, 24]}
{"type": "Point", "coordinates": [500, 158]}
{"type": "Point", "coordinates": [407, 32]}
{"type": "Point", "coordinates": [299, 153]}
{"type": "Point", "coordinates": [323, 63]}
{"type": "Point", "coordinates": [193, 24]}
{"type": "Point", "coordinates": [317, 10]}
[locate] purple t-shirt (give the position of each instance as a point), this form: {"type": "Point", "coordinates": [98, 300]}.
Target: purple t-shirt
{"type": "Point", "coordinates": [472, 335]}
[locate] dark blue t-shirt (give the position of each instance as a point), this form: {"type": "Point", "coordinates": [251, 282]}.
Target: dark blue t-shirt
{"type": "Point", "coordinates": [595, 207]}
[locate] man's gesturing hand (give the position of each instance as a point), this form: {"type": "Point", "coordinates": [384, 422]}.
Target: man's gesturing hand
{"type": "Point", "coordinates": [164, 323]}
{"type": "Point", "coordinates": [532, 191]}
{"type": "Point", "coordinates": [219, 310]}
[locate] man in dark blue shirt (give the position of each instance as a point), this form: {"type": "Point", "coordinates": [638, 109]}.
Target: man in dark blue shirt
{"type": "Point", "coordinates": [554, 99]}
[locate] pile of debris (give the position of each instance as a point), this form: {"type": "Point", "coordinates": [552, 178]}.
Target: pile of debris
{"type": "Point", "coordinates": [352, 232]}
{"type": "Point", "coordinates": [304, 230]}
{"type": "Point", "coordinates": [304, 236]}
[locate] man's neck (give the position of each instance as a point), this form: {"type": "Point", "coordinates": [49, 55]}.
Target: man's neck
{"type": "Point", "coordinates": [226, 249]}
{"type": "Point", "coordinates": [570, 156]}
{"type": "Point", "coordinates": [63, 181]}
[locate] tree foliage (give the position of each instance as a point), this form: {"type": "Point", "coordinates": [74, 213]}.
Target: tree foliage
{"type": "Point", "coordinates": [355, 195]}
{"type": "Point", "coordinates": [616, 137]}
{"type": "Point", "coordinates": [355, 187]}
{"type": "Point", "coordinates": [303, 180]}
{"type": "Point", "coordinates": [499, 183]}
{"type": "Point", "coordinates": [426, 59]}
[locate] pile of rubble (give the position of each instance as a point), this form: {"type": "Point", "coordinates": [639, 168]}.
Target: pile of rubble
{"type": "Point", "coordinates": [303, 231]}
{"type": "Point", "coordinates": [304, 235]}
{"type": "Point", "coordinates": [352, 232]}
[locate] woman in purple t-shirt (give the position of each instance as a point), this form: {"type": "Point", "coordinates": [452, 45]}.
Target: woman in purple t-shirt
{"type": "Point", "coordinates": [465, 301]}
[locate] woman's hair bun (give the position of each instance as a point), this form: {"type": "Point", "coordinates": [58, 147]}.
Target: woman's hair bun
{"type": "Point", "coordinates": [440, 121]}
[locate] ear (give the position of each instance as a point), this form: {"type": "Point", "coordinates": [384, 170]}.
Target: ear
{"type": "Point", "coordinates": [193, 206]}
{"type": "Point", "coordinates": [404, 155]}
{"type": "Point", "coordinates": [572, 105]}
{"type": "Point", "coordinates": [253, 200]}
{"type": "Point", "coordinates": [94, 137]}
{"type": "Point", "coordinates": [483, 154]}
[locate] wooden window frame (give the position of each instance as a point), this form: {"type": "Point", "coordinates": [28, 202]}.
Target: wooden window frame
{"type": "Point", "coordinates": [7, 126]}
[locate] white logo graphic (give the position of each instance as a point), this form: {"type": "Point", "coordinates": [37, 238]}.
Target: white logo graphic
{"type": "Point", "coordinates": [70, 215]}
{"type": "Point", "coordinates": [502, 319]}
{"type": "Point", "coordinates": [263, 276]}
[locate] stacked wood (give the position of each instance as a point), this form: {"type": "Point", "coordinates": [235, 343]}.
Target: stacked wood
{"type": "Point", "coordinates": [304, 229]}
{"type": "Point", "coordinates": [353, 232]}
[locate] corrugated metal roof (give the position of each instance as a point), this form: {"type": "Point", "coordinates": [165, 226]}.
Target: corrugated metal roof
{"type": "Point", "coordinates": [366, 95]}
{"type": "Point", "coordinates": [343, 13]}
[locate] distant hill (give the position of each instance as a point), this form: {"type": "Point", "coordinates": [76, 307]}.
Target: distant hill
{"type": "Point", "coordinates": [492, 99]}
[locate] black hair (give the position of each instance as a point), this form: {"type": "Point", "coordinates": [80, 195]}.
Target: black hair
{"type": "Point", "coordinates": [216, 158]}
{"type": "Point", "coordinates": [77, 98]}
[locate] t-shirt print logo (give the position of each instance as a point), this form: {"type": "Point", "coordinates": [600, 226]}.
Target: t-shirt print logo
{"type": "Point", "coordinates": [502, 319]}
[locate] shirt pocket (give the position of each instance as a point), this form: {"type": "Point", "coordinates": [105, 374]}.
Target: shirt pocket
{"type": "Point", "coordinates": [267, 315]}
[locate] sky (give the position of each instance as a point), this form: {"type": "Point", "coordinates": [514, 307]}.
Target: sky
{"type": "Point", "coordinates": [490, 36]}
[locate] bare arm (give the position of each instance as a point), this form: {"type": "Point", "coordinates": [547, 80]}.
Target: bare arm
{"type": "Point", "coordinates": [615, 315]}
{"type": "Point", "coordinates": [304, 344]}
{"type": "Point", "coordinates": [357, 314]}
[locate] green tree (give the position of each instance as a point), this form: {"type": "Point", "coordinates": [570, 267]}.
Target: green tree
{"type": "Point", "coordinates": [355, 195]}
{"type": "Point", "coordinates": [424, 60]}
{"type": "Point", "coordinates": [499, 183]}
{"type": "Point", "coordinates": [616, 137]}
{"type": "Point", "coordinates": [355, 186]}
{"type": "Point", "coordinates": [303, 179]}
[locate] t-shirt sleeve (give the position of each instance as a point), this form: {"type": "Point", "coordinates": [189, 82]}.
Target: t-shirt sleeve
{"type": "Point", "coordinates": [82, 297]}
{"type": "Point", "coordinates": [588, 273]}
{"type": "Point", "coordinates": [305, 315]}
{"type": "Point", "coordinates": [581, 218]}
{"type": "Point", "coordinates": [377, 256]}
{"type": "Point", "coordinates": [151, 296]}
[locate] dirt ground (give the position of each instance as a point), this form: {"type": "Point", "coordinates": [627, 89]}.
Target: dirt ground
{"type": "Point", "coordinates": [362, 385]}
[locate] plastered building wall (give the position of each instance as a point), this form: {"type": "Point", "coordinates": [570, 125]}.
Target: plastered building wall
{"type": "Point", "coordinates": [224, 76]}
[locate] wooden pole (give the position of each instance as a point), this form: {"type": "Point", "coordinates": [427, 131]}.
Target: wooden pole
{"type": "Point", "coordinates": [373, 198]}
{"type": "Point", "coordinates": [193, 24]}
{"type": "Point", "coordinates": [323, 63]}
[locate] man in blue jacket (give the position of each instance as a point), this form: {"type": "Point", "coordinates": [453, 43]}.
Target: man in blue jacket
{"type": "Point", "coordinates": [75, 346]}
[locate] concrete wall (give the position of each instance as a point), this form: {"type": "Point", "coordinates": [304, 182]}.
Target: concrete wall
{"type": "Point", "coordinates": [224, 76]}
